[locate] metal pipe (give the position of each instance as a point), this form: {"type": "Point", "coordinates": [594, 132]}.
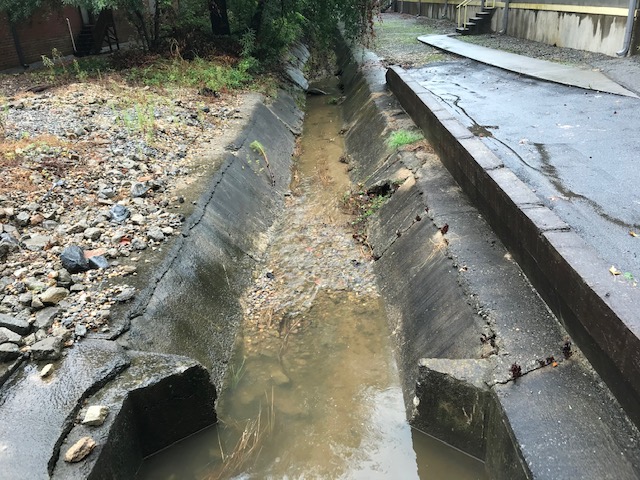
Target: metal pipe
{"type": "Point", "coordinates": [73, 42]}
{"type": "Point", "coordinates": [628, 33]}
{"type": "Point", "coordinates": [505, 17]}
{"type": "Point", "coordinates": [17, 44]}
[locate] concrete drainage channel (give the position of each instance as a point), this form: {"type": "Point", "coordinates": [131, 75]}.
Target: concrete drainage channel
{"type": "Point", "coordinates": [462, 315]}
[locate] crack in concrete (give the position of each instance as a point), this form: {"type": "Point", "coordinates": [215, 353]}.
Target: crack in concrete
{"type": "Point", "coordinates": [140, 308]}
{"type": "Point", "coordinates": [399, 233]}
{"type": "Point", "coordinates": [69, 422]}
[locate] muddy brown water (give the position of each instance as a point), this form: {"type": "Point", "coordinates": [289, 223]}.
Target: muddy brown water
{"type": "Point", "coordinates": [313, 392]}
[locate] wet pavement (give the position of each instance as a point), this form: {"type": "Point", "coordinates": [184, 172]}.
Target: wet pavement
{"type": "Point", "coordinates": [574, 147]}
{"type": "Point", "coordinates": [590, 79]}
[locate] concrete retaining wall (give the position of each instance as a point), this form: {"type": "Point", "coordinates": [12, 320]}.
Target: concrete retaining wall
{"type": "Point", "coordinates": [592, 26]}
{"type": "Point", "coordinates": [559, 263]}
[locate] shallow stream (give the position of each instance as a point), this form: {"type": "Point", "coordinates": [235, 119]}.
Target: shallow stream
{"type": "Point", "coordinates": [313, 391]}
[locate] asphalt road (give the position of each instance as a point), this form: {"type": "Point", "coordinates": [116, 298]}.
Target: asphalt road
{"type": "Point", "coordinates": [577, 149]}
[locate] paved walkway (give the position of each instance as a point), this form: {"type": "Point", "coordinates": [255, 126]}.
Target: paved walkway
{"type": "Point", "coordinates": [553, 72]}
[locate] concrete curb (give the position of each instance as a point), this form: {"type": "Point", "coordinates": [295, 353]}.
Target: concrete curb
{"type": "Point", "coordinates": [599, 313]}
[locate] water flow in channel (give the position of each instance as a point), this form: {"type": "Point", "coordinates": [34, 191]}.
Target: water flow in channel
{"type": "Point", "coordinates": [314, 391]}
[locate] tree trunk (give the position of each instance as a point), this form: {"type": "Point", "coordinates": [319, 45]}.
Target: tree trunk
{"type": "Point", "coordinates": [156, 26]}
{"type": "Point", "coordinates": [141, 26]}
{"type": "Point", "coordinates": [219, 18]}
{"type": "Point", "coordinates": [256, 20]}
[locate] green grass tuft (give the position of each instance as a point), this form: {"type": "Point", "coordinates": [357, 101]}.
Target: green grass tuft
{"type": "Point", "coordinates": [400, 138]}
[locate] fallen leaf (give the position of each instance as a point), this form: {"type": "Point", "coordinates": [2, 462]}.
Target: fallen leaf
{"type": "Point", "coordinates": [94, 253]}
{"type": "Point", "coordinates": [614, 271]}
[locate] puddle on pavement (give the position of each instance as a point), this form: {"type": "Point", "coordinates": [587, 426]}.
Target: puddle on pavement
{"type": "Point", "coordinates": [313, 392]}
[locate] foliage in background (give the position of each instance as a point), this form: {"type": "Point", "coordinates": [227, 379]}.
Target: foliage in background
{"type": "Point", "coordinates": [274, 23]}
{"type": "Point", "coordinates": [241, 37]}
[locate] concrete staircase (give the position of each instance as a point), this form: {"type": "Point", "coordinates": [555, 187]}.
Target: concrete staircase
{"type": "Point", "coordinates": [478, 24]}
{"type": "Point", "coordinates": [94, 36]}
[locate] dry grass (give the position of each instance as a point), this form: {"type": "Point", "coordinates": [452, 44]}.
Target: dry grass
{"type": "Point", "coordinates": [56, 162]}
{"type": "Point", "coordinates": [248, 447]}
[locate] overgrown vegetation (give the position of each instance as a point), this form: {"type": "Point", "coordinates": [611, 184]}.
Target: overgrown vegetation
{"type": "Point", "coordinates": [262, 29]}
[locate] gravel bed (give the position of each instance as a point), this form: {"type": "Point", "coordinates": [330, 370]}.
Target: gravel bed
{"type": "Point", "coordinates": [96, 178]}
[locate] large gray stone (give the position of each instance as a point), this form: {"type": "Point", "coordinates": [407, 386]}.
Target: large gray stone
{"type": "Point", "coordinates": [54, 295]}
{"type": "Point", "coordinates": [48, 349]}
{"type": "Point", "coordinates": [37, 242]}
{"type": "Point", "coordinates": [44, 318]}
{"type": "Point", "coordinates": [14, 324]}
{"type": "Point", "coordinates": [7, 335]}
{"type": "Point", "coordinates": [8, 352]}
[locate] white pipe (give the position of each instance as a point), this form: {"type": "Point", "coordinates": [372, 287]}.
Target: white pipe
{"type": "Point", "coordinates": [633, 4]}
{"type": "Point", "coordinates": [73, 42]}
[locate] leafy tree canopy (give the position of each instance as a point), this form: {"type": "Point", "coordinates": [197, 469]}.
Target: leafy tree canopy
{"type": "Point", "coordinates": [266, 27]}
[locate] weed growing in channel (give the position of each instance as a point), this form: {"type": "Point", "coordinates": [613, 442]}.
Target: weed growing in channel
{"type": "Point", "coordinates": [401, 138]}
{"type": "Point", "coordinates": [363, 205]}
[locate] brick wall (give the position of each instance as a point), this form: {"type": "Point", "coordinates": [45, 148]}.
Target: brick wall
{"type": "Point", "coordinates": [8, 55]}
{"type": "Point", "coordinates": [39, 35]}
{"type": "Point", "coordinates": [47, 30]}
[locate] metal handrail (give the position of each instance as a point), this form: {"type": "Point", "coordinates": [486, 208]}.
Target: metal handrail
{"type": "Point", "coordinates": [464, 4]}
{"type": "Point", "coordinates": [459, 8]}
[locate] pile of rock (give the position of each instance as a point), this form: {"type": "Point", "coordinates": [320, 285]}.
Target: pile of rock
{"type": "Point", "coordinates": [88, 185]}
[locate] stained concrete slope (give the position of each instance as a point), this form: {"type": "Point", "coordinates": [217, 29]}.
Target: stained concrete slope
{"type": "Point", "coordinates": [147, 405]}
{"type": "Point", "coordinates": [192, 303]}
{"type": "Point", "coordinates": [462, 313]}
{"type": "Point", "coordinates": [154, 401]}
{"type": "Point", "coordinates": [532, 67]}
